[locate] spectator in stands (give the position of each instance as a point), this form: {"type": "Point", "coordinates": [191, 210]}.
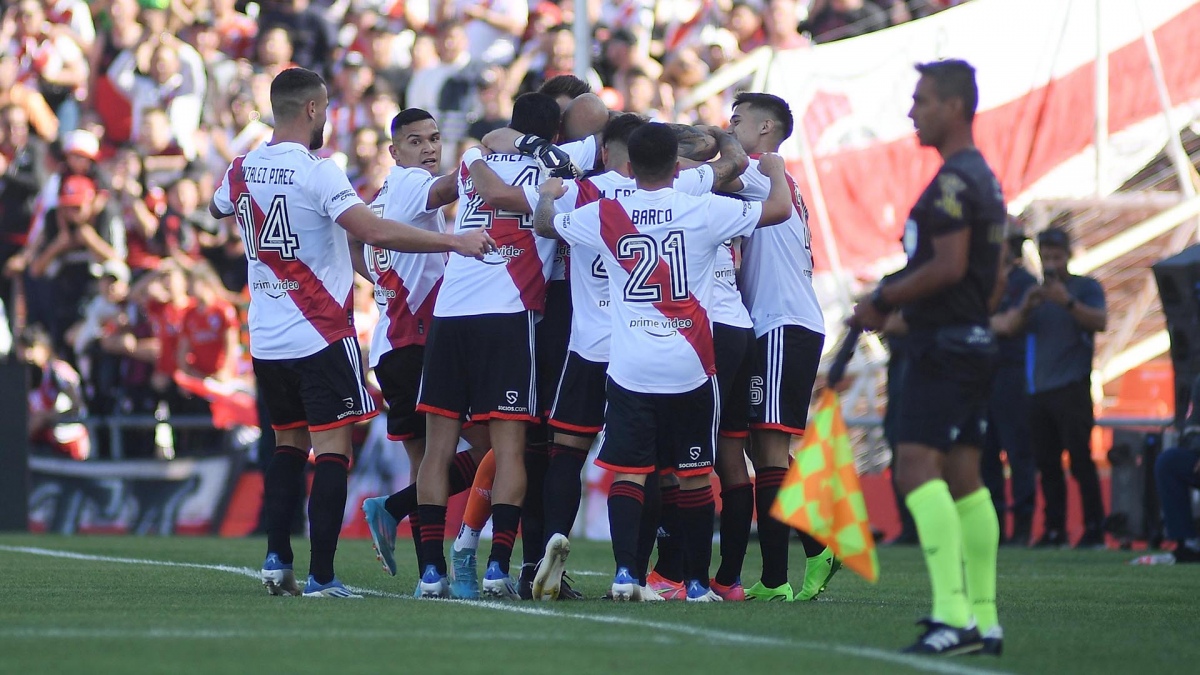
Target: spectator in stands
{"type": "Point", "coordinates": [13, 92]}
{"type": "Point", "coordinates": [163, 160]}
{"type": "Point", "coordinates": [1177, 473]}
{"type": "Point", "coordinates": [621, 57]}
{"type": "Point", "coordinates": [273, 52]}
{"type": "Point", "coordinates": [75, 19]}
{"type": "Point", "coordinates": [1008, 409]}
{"type": "Point", "coordinates": [495, 104]}
{"type": "Point", "coordinates": [643, 96]}
{"type": "Point", "coordinates": [1062, 317]}
{"type": "Point", "coordinates": [101, 316]}
{"type": "Point", "coordinates": [163, 87]}
{"type": "Point", "coordinates": [348, 108]}
{"type": "Point", "coordinates": [56, 403]}
{"type": "Point", "coordinates": [22, 173]}
{"type": "Point", "coordinates": [312, 36]}
{"type": "Point", "coordinates": [79, 234]}
{"type": "Point", "coordinates": [831, 20]}
{"type": "Point", "coordinates": [780, 23]}
{"type": "Point", "coordinates": [492, 28]}
{"type": "Point", "coordinates": [221, 71]}
{"type": "Point", "coordinates": [208, 340]}
{"type": "Point", "coordinates": [235, 30]}
{"type": "Point", "coordinates": [362, 153]}
{"type": "Point", "coordinates": [746, 24]}
{"type": "Point", "coordinates": [49, 58]}
{"type": "Point", "coordinates": [387, 59]}
{"type": "Point", "coordinates": [123, 33]}
{"type": "Point", "coordinates": [237, 130]}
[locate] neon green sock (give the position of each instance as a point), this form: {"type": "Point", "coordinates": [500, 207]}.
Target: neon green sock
{"type": "Point", "coordinates": [980, 541]}
{"type": "Point", "coordinates": [940, 531]}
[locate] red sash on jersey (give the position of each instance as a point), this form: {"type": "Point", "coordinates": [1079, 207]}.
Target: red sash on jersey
{"type": "Point", "coordinates": [614, 224]}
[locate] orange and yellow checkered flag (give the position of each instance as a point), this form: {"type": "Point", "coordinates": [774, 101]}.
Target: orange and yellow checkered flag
{"type": "Point", "coordinates": [821, 494]}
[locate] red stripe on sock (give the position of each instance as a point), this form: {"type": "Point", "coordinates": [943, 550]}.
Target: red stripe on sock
{"type": "Point", "coordinates": [690, 499]}
{"type": "Point", "coordinates": [670, 494]}
{"type": "Point", "coordinates": [334, 457]}
{"type": "Point", "coordinates": [627, 489]}
{"type": "Point", "coordinates": [433, 532]}
{"type": "Point", "coordinates": [504, 538]}
{"type": "Point", "coordinates": [770, 477]}
{"type": "Point", "coordinates": [290, 450]}
{"type": "Point", "coordinates": [733, 488]}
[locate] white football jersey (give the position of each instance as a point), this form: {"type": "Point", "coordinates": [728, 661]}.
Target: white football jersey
{"type": "Point", "coordinates": [301, 281]}
{"type": "Point", "coordinates": [659, 249]}
{"type": "Point", "coordinates": [583, 154]}
{"type": "Point", "coordinates": [514, 278]}
{"type": "Point", "coordinates": [405, 283]}
{"type": "Point", "coordinates": [591, 324]}
{"type": "Point", "coordinates": [777, 265]}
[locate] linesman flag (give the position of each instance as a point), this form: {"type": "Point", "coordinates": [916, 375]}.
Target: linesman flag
{"type": "Point", "coordinates": [821, 494]}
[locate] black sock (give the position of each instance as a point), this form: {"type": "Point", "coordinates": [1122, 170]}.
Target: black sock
{"type": "Point", "coordinates": [403, 503]}
{"type": "Point", "coordinates": [812, 547]}
{"type": "Point", "coordinates": [737, 510]}
{"type": "Point", "coordinates": [625, 499]}
{"type": "Point", "coordinates": [648, 532]}
{"type": "Point", "coordinates": [772, 534]}
{"type": "Point", "coordinates": [670, 555]}
{"type": "Point", "coordinates": [283, 490]}
{"type": "Point", "coordinates": [414, 523]}
{"type": "Point", "coordinates": [563, 489]}
{"type": "Point", "coordinates": [533, 509]}
{"type": "Point", "coordinates": [325, 509]}
{"type": "Point", "coordinates": [505, 519]}
{"type": "Point", "coordinates": [462, 471]}
{"type": "Point", "coordinates": [433, 536]}
{"type": "Point", "coordinates": [696, 510]}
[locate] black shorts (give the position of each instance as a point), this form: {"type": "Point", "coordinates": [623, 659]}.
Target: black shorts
{"type": "Point", "coordinates": [481, 365]}
{"type": "Point", "coordinates": [782, 385]}
{"type": "Point", "coordinates": [735, 348]}
{"type": "Point", "coordinates": [399, 375]}
{"type": "Point", "coordinates": [943, 396]}
{"type": "Point", "coordinates": [672, 433]}
{"type": "Point", "coordinates": [579, 402]}
{"type": "Point", "coordinates": [553, 335]}
{"type": "Point", "coordinates": [321, 391]}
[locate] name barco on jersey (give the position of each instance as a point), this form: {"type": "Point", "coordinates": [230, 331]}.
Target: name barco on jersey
{"type": "Point", "coordinates": [650, 216]}
{"type": "Point", "coordinates": [271, 175]}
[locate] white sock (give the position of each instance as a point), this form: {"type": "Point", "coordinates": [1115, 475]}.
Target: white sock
{"type": "Point", "coordinates": [467, 538]}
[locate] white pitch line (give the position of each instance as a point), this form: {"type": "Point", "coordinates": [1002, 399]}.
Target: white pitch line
{"type": "Point", "coordinates": [923, 664]}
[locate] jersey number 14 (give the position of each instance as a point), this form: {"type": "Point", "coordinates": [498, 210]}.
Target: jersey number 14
{"type": "Point", "coordinates": [274, 233]}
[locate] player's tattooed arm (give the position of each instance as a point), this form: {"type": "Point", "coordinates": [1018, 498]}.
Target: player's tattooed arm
{"type": "Point", "coordinates": [543, 215]}
{"type": "Point", "coordinates": [733, 160]}
{"type": "Point", "coordinates": [694, 143]}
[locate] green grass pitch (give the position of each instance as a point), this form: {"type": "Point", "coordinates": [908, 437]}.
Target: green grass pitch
{"type": "Point", "coordinates": [194, 605]}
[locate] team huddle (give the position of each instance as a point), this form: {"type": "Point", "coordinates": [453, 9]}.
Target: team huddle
{"type": "Point", "coordinates": [593, 289]}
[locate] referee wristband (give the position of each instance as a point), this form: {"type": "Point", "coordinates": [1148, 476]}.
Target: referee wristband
{"type": "Point", "coordinates": [879, 303]}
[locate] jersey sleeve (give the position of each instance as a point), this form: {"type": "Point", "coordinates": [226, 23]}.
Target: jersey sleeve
{"type": "Point", "coordinates": [221, 196]}
{"type": "Point", "coordinates": [951, 203]}
{"type": "Point", "coordinates": [563, 204]}
{"type": "Point", "coordinates": [580, 227]}
{"type": "Point", "coordinates": [330, 190]}
{"type": "Point", "coordinates": [755, 185]}
{"type": "Point", "coordinates": [729, 217]}
{"type": "Point", "coordinates": [415, 191]}
{"type": "Point", "coordinates": [695, 181]}
{"type": "Point", "coordinates": [583, 152]}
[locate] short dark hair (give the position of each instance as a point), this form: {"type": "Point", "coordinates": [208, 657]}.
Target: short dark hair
{"type": "Point", "coordinates": [1054, 236]}
{"type": "Point", "coordinates": [953, 78]}
{"type": "Point", "coordinates": [774, 106]}
{"type": "Point", "coordinates": [565, 85]}
{"type": "Point", "coordinates": [291, 90]}
{"type": "Point", "coordinates": [536, 113]}
{"type": "Point", "coordinates": [408, 116]}
{"type": "Point", "coordinates": [653, 151]}
{"type": "Point", "coordinates": [621, 127]}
